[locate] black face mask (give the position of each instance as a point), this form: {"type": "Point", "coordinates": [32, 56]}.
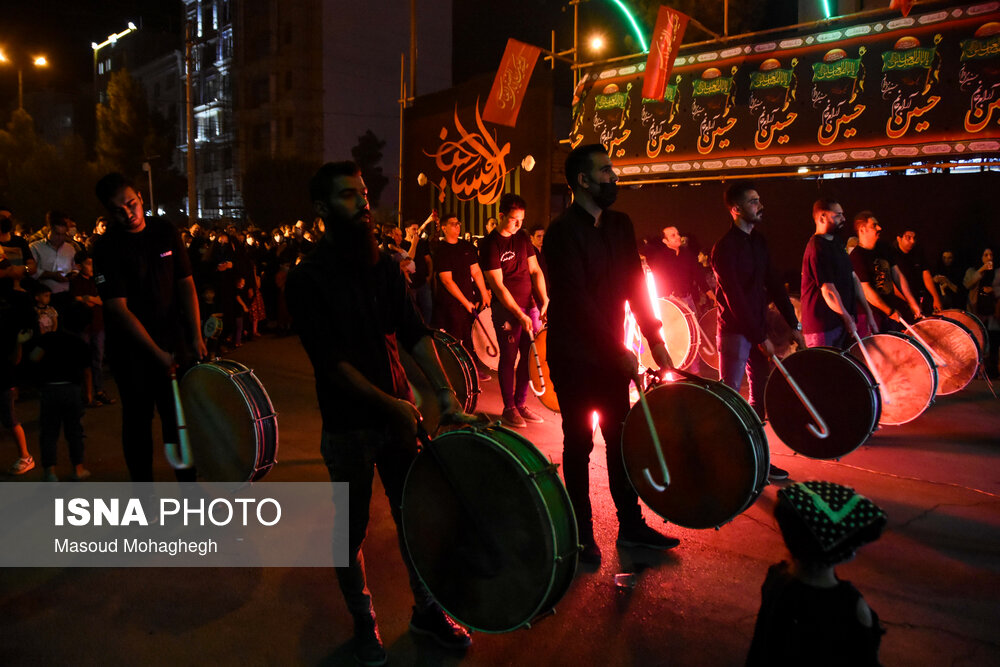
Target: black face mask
{"type": "Point", "coordinates": [606, 196]}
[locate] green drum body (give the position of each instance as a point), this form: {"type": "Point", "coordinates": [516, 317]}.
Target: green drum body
{"type": "Point", "coordinates": [490, 528]}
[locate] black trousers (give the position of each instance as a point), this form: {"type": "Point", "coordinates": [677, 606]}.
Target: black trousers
{"type": "Point", "coordinates": [511, 340]}
{"type": "Point", "coordinates": [583, 389]}
{"type": "Point", "coordinates": [144, 385]}
{"type": "Point", "coordinates": [61, 407]}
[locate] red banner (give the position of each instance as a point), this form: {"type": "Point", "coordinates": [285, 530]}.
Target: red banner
{"type": "Point", "coordinates": [667, 37]}
{"type": "Point", "coordinates": [904, 6]}
{"type": "Point", "coordinates": [511, 83]}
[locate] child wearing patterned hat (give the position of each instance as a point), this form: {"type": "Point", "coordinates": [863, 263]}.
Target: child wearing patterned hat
{"type": "Point", "coordinates": [808, 616]}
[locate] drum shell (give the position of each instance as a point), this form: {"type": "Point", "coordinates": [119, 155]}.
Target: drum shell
{"type": "Point", "coordinates": [231, 422]}
{"type": "Point", "coordinates": [460, 371]}
{"type": "Point", "coordinates": [851, 411]}
{"type": "Point", "coordinates": [956, 346]}
{"type": "Point", "coordinates": [500, 481]}
{"type": "Point", "coordinates": [548, 396]}
{"type": "Point", "coordinates": [715, 450]}
{"type": "Point", "coordinates": [908, 374]}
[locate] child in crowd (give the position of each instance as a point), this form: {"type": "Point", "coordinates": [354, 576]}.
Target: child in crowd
{"type": "Point", "coordinates": [83, 289]}
{"type": "Point", "coordinates": [63, 360]}
{"type": "Point", "coordinates": [808, 616]}
{"type": "Point", "coordinates": [211, 321]}
{"type": "Point", "coordinates": [48, 318]}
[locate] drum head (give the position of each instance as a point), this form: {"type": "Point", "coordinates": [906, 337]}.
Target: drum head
{"type": "Point", "coordinates": [717, 457]}
{"type": "Point", "coordinates": [956, 347]}
{"type": "Point", "coordinates": [541, 385]}
{"type": "Point", "coordinates": [489, 527]}
{"type": "Point", "coordinates": [681, 337]}
{"type": "Point", "coordinates": [708, 351]}
{"type": "Point", "coordinates": [907, 372]}
{"type": "Point", "coordinates": [973, 324]}
{"type": "Point", "coordinates": [850, 413]}
{"type": "Point", "coordinates": [219, 416]}
{"type": "Point", "coordinates": [484, 339]}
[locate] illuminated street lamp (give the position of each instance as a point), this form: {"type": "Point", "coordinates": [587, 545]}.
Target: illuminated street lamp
{"type": "Point", "coordinates": [37, 61]}
{"type": "Point", "coordinates": [597, 43]}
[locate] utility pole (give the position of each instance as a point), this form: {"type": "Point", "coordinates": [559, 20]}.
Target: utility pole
{"type": "Point", "coordinates": [189, 104]}
{"type": "Point", "coordinates": [413, 48]}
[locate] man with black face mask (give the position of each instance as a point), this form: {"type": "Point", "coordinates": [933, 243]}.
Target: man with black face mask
{"type": "Point", "coordinates": [830, 290]}
{"type": "Point", "coordinates": [594, 268]}
{"type": "Point", "coordinates": [351, 310]}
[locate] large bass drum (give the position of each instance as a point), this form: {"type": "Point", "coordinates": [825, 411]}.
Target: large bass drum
{"type": "Point", "coordinates": [230, 420]}
{"type": "Point", "coordinates": [851, 411]}
{"type": "Point", "coordinates": [974, 324]}
{"type": "Point", "coordinates": [682, 335]}
{"type": "Point", "coordinates": [714, 446]}
{"type": "Point", "coordinates": [908, 374]}
{"type": "Point", "coordinates": [458, 367]}
{"type": "Point", "coordinates": [538, 373]}
{"type": "Point", "coordinates": [955, 348]}
{"type": "Point", "coordinates": [490, 528]}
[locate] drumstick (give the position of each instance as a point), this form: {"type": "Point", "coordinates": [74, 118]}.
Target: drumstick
{"type": "Point", "coordinates": [822, 431]}
{"type": "Point", "coordinates": [656, 442]}
{"type": "Point", "coordinates": [708, 344]}
{"type": "Point", "coordinates": [491, 347]}
{"type": "Point", "coordinates": [184, 461]}
{"type": "Point", "coordinates": [538, 366]}
{"type": "Point", "coordinates": [871, 366]}
{"type": "Point", "coordinates": [913, 332]}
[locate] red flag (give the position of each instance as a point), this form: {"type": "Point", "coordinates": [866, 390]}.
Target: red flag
{"type": "Point", "coordinates": [902, 5]}
{"type": "Point", "coordinates": [667, 36]}
{"type": "Point", "coordinates": [511, 83]}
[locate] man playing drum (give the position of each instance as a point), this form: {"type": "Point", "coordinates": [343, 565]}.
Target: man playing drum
{"type": "Point", "coordinates": [830, 290]}
{"type": "Point", "coordinates": [594, 269]}
{"type": "Point", "coordinates": [746, 284]}
{"type": "Point", "coordinates": [885, 287]}
{"type": "Point", "coordinates": [508, 260]}
{"type": "Point", "coordinates": [143, 274]}
{"type": "Point", "coordinates": [351, 310]}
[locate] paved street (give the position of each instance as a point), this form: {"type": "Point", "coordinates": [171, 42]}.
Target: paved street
{"type": "Point", "coordinates": [933, 578]}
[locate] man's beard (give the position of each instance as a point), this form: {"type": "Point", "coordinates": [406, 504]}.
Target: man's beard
{"type": "Point", "coordinates": [357, 236]}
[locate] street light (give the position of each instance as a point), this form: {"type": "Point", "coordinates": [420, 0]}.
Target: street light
{"type": "Point", "coordinates": [597, 43]}
{"type": "Point", "coordinates": [37, 61]}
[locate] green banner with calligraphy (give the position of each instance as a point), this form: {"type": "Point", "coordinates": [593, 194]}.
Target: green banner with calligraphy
{"type": "Point", "coordinates": [883, 90]}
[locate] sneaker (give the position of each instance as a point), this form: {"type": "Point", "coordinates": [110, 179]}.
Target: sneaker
{"type": "Point", "coordinates": [22, 465]}
{"type": "Point", "coordinates": [529, 415]}
{"type": "Point", "coordinates": [437, 625]}
{"type": "Point", "coordinates": [642, 535]}
{"type": "Point", "coordinates": [49, 476]}
{"type": "Point", "coordinates": [368, 647]}
{"type": "Point", "coordinates": [590, 554]}
{"type": "Point", "coordinates": [80, 476]}
{"type": "Point", "coordinates": [512, 418]}
{"type": "Point", "coordinates": [104, 399]}
{"type": "Point", "coordinates": [776, 474]}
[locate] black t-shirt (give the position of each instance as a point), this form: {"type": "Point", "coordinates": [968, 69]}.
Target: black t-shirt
{"type": "Point", "coordinates": [825, 261]}
{"type": "Point", "coordinates": [874, 267]}
{"type": "Point", "coordinates": [66, 357]}
{"type": "Point", "coordinates": [912, 265]}
{"type": "Point", "coordinates": [457, 258]}
{"type": "Point", "coordinates": [17, 252]}
{"type": "Point", "coordinates": [144, 268]}
{"type": "Point", "coordinates": [509, 254]}
{"type": "Point", "coordinates": [419, 277]}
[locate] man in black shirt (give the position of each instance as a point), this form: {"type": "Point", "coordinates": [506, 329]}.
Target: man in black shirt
{"type": "Point", "coordinates": [885, 287]}
{"type": "Point", "coordinates": [913, 265]}
{"type": "Point", "coordinates": [595, 269]}
{"type": "Point", "coordinates": [351, 311]}
{"type": "Point", "coordinates": [746, 284]}
{"type": "Point", "coordinates": [143, 274]}
{"type": "Point", "coordinates": [460, 285]}
{"type": "Point", "coordinates": [512, 272]}
{"type": "Point", "coordinates": [830, 290]}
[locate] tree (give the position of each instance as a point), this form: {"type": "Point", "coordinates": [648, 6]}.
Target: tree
{"type": "Point", "coordinates": [275, 191]}
{"type": "Point", "coordinates": [368, 153]}
{"type": "Point", "coordinates": [126, 133]}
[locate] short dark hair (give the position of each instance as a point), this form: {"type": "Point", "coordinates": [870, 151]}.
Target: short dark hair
{"type": "Point", "coordinates": [537, 227]}
{"type": "Point", "coordinates": [579, 162]}
{"type": "Point", "coordinates": [861, 219]}
{"type": "Point", "coordinates": [823, 204]}
{"type": "Point", "coordinates": [56, 218]}
{"type": "Point", "coordinates": [448, 216]}
{"type": "Point", "coordinates": [80, 257]}
{"type": "Point", "coordinates": [110, 185]}
{"type": "Point", "coordinates": [321, 184]}
{"type": "Point", "coordinates": [736, 192]}
{"type": "Point", "coordinates": [511, 201]}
